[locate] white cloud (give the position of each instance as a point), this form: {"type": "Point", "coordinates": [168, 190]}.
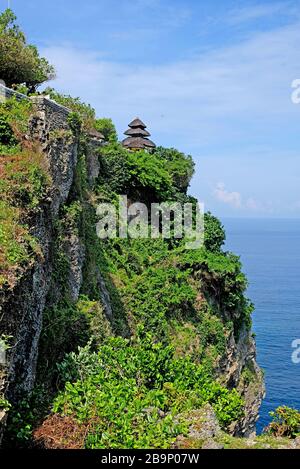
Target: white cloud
{"type": "Point", "coordinates": [228, 101]}
{"type": "Point", "coordinates": [233, 199]}
{"type": "Point", "coordinates": [198, 98]}
{"type": "Point", "coordinates": [252, 204]}
{"type": "Point", "coordinates": [255, 12]}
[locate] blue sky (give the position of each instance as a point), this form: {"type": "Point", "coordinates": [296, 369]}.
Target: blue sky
{"type": "Point", "coordinates": [212, 78]}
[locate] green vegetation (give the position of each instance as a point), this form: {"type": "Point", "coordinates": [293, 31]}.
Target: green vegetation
{"type": "Point", "coordinates": [214, 234]}
{"type": "Point", "coordinates": [107, 128]}
{"type": "Point", "coordinates": [132, 392]}
{"type": "Point", "coordinates": [23, 185]}
{"type": "Point", "coordinates": [138, 373]}
{"type": "Point", "coordinates": [130, 377]}
{"type": "Point", "coordinates": [20, 63]}
{"type": "Point", "coordinates": [163, 175]}
{"type": "Point", "coordinates": [86, 115]}
{"type": "Point", "coordinates": [286, 422]}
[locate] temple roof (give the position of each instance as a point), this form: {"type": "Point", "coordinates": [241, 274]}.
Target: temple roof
{"type": "Point", "coordinates": [138, 142]}
{"type": "Point", "coordinates": [136, 132]}
{"type": "Point", "coordinates": [137, 123]}
{"type": "Point", "coordinates": [137, 136]}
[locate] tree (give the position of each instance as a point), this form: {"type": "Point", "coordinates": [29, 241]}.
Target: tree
{"type": "Point", "coordinates": [107, 128]}
{"type": "Point", "coordinates": [214, 234]}
{"type": "Point", "coordinates": [20, 62]}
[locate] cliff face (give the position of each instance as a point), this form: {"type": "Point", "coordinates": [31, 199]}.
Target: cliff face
{"type": "Point", "coordinates": [25, 308]}
{"type": "Point", "coordinates": [239, 369]}
{"type": "Point", "coordinates": [21, 308]}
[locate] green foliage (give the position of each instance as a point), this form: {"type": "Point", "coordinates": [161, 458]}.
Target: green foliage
{"type": "Point", "coordinates": [65, 326]}
{"type": "Point", "coordinates": [180, 166]}
{"type": "Point", "coordinates": [211, 330]}
{"type": "Point", "coordinates": [149, 173]}
{"type": "Point", "coordinates": [4, 404]}
{"type": "Point", "coordinates": [20, 422]}
{"type": "Point", "coordinates": [7, 136]}
{"type": "Point", "coordinates": [17, 247]}
{"type": "Point", "coordinates": [214, 234]}
{"type": "Point", "coordinates": [23, 416]}
{"type": "Point", "coordinates": [84, 111]}
{"type": "Point", "coordinates": [286, 422]}
{"type": "Point", "coordinates": [164, 174]}
{"type": "Point", "coordinates": [128, 394]}
{"type": "Point", "coordinates": [161, 293]}
{"type": "Point", "coordinates": [137, 174]}
{"type": "Point", "coordinates": [14, 116]}
{"type": "Point", "coordinates": [107, 128]}
{"type": "Point", "coordinates": [114, 170]}
{"type": "Point", "coordinates": [20, 63]}
{"type": "Point", "coordinates": [99, 326]}
{"type": "Point", "coordinates": [75, 122]}
{"type": "Point", "coordinates": [223, 282]}
{"type": "Point", "coordinates": [133, 393]}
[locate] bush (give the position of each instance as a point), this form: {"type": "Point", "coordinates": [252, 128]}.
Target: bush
{"type": "Point", "coordinates": [7, 136]}
{"type": "Point", "coordinates": [131, 394]}
{"type": "Point", "coordinates": [286, 422]}
{"type": "Point", "coordinates": [107, 128]}
{"type": "Point", "coordinates": [180, 166]}
{"type": "Point", "coordinates": [214, 234]}
{"type": "Point", "coordinates": [162, 175]}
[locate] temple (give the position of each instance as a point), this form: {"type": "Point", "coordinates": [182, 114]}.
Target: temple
{"type": "Point", "coordinates": [137, 136]}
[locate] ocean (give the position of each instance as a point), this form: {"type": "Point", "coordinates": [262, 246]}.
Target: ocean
{"type": "Point", "coordinates": [270, 253]}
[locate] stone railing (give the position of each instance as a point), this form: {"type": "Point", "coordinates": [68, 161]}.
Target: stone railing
{"type": "Point", "coordinates": [6, 93]}
{"type": "Point", "coordinates": [40, 100]}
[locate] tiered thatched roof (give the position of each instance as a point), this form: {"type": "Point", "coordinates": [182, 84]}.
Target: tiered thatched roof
{"type": "Point", "coordinates": [138, 134]}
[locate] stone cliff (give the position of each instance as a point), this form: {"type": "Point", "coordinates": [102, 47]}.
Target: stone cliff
{"type": "Point", "coordinates": [21, 308]}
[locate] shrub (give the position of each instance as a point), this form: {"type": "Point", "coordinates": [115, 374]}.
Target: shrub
{"type": "Point", "coordinates": [286, 422]}
{"type": "Point", "coordinates": [180, 166]}
{"type": "Point", "coordinates": [214, 234]}
{"type": "Point", "coordinates": [107, 128]}
{"type": "Point", "coordinates": [129, 393]}
{"type": "Point", "coordinates": [7, 136]}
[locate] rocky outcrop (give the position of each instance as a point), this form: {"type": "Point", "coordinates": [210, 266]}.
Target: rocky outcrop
{"type": "Point", "coordinates": [204, 432]}
{"type": "Point", "coordinates": [239, 369]}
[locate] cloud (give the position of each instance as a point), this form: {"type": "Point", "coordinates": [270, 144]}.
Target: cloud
{"type": "Point", "coordinates": [231, 103]}
{"type": "Point", "coordinates": [255, 12]}
{"type": "Point", "coordinates": [235, 200]}
{"type": "Point", "coordinates": [231, 198]}
{"type": "Point", "coordinates": [252, 204]}
{"type": "Point", "coordinates": [222, 93]}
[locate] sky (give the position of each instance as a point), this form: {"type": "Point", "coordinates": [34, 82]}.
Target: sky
{"type": "Point", "coordinates": [211, 78]}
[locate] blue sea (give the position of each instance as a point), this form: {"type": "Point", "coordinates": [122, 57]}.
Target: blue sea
{"type": "Point", "coordinates": [270, 253]}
